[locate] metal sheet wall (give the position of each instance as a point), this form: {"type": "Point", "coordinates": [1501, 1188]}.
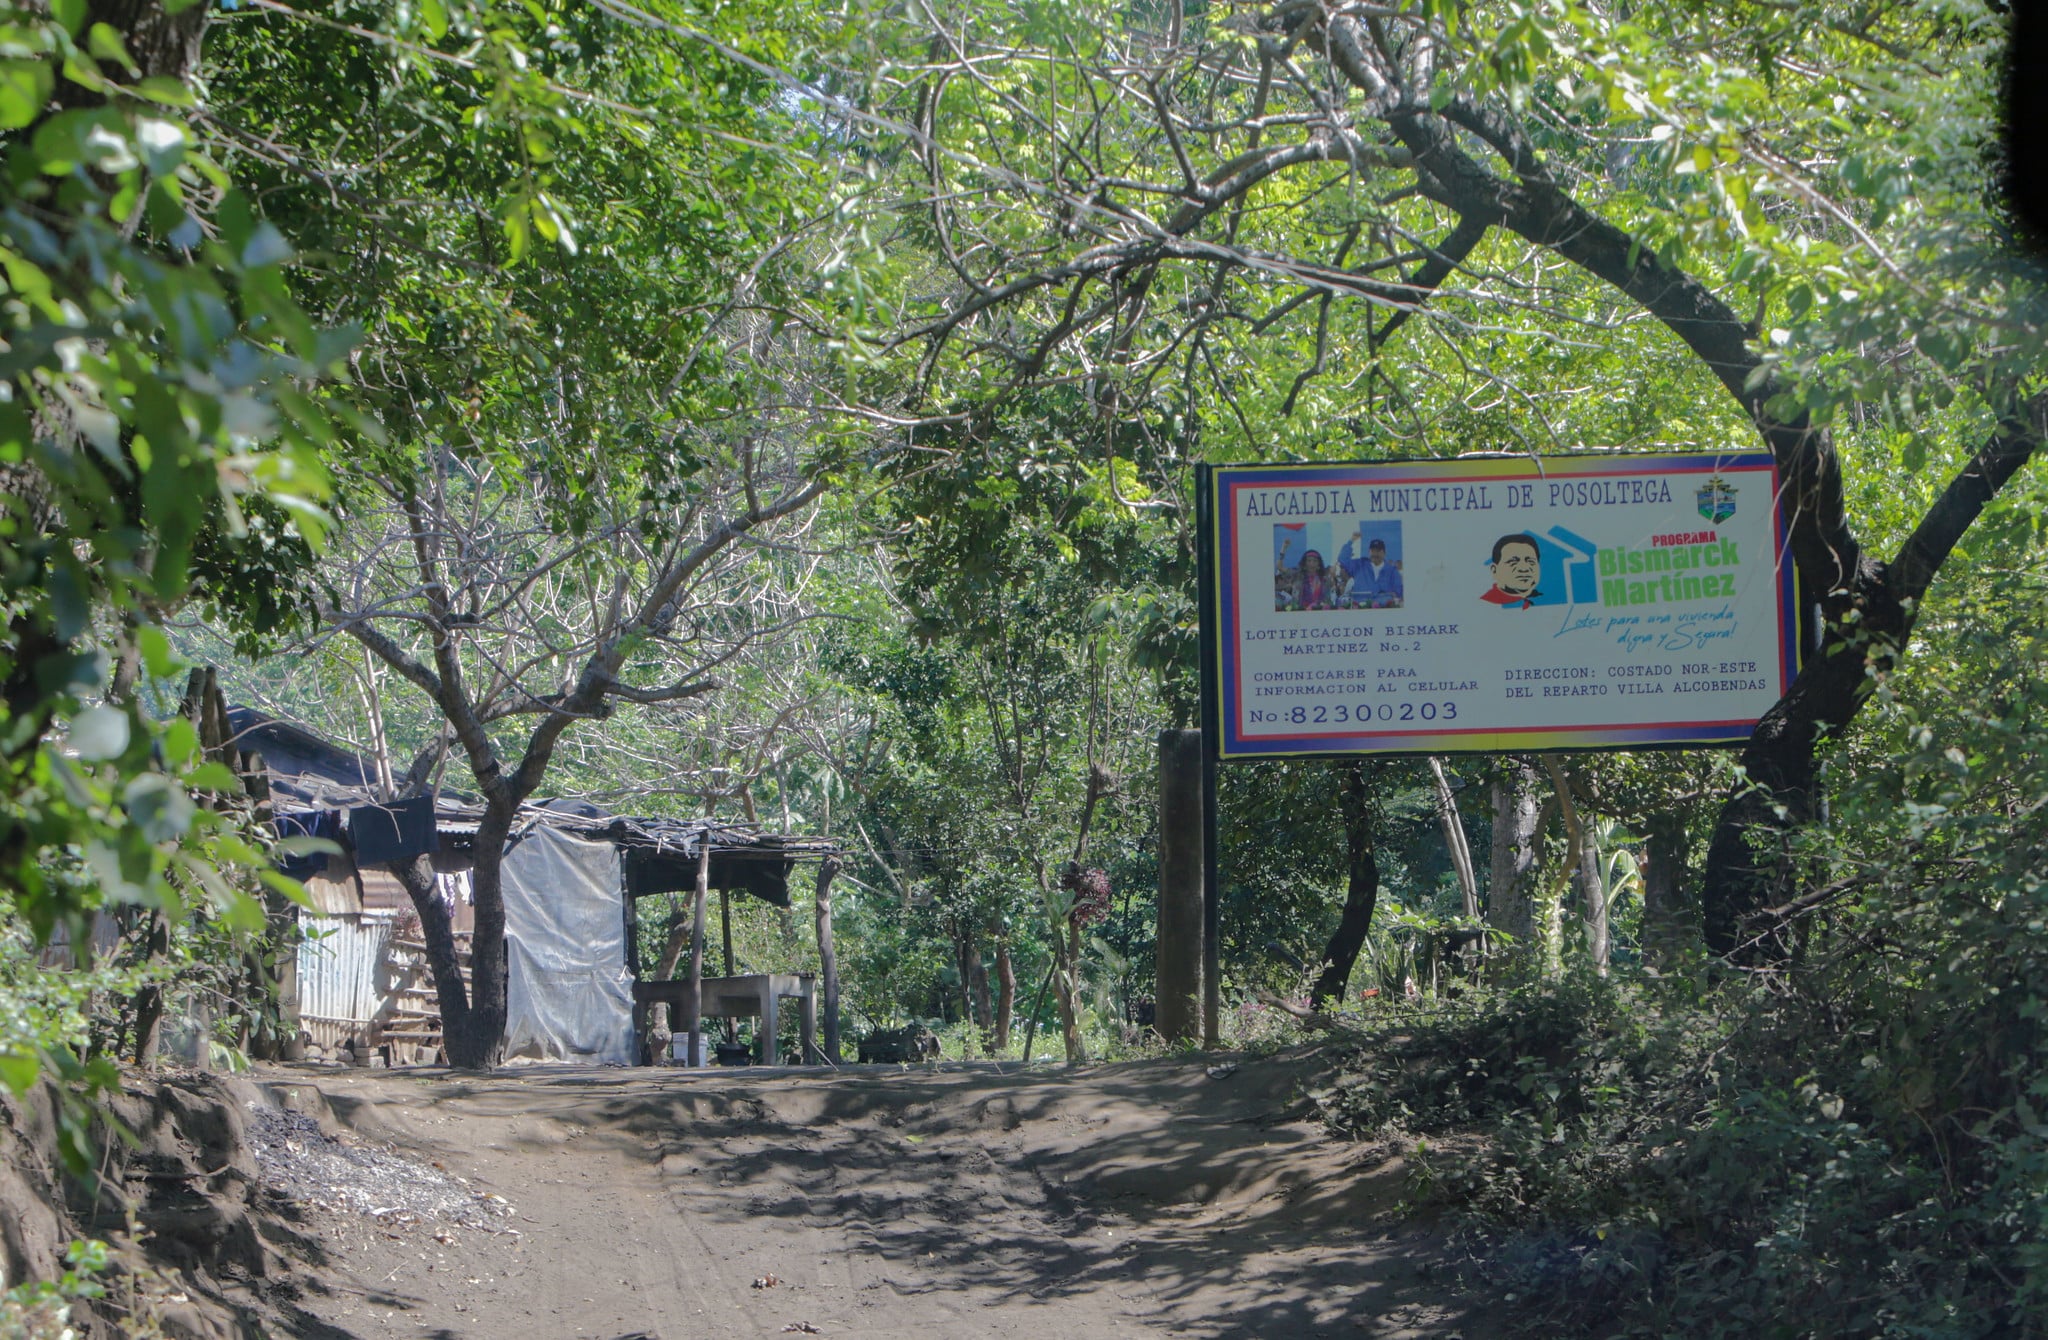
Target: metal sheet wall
{"type": "Point", "coordinates": [341, 968]}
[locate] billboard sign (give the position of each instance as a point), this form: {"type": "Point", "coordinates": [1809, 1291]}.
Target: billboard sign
{"type": "Point", "coordinates": [1497, 605]}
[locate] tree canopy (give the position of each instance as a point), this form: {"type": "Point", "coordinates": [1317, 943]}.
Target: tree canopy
{"type": "Point", "coordinates": [790, 414]}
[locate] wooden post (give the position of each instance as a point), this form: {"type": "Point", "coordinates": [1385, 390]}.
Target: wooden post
{"type": "Point", "coordinates": [828, 958]}
{"type": "Point", "coordinates": [771, 1038]}
{"type": "Point", "coordinates": [695, 1013]}
{"type": "Point", "coordinates": [807, 1021]}
{"type": "Point", "coordinates": [728, 1027]}
{"type": "Point", "coordinates": [1178, 1015]}
{"type": "Point", "coordinates": [1212, 909]}
{"type": "Point", "coordinates": [1212, 716]}
{"type": "Point", "coordinates": [149, 1001]}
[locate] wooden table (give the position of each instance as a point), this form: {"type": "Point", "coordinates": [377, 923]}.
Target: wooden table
{"type": "Point", "coordinates": [755, 996]}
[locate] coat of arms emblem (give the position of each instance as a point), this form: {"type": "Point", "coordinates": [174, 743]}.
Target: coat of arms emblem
{"type": "Point", "coordinates": [1717, 500]}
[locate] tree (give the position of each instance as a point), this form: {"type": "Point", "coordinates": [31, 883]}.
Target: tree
{"type": "Point", "coordinates": [574, 254]}
{"type": "Point", "coordinates": [159, 449]}
{"type": "Point", "coordinates": [463, 587]}
{"type": "Point", "coordinates": [1362, 883]}
{"type": "Point", "coordinates": [1015, 570]}
{"type": "Point", "coordinates": [1794, 197]}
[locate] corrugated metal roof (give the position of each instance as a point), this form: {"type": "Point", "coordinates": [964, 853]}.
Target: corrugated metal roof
{"type": "Point", "coordinates": [308, 772]}
{"type": "Point", "coordinates": [305, 770]}
{"type": "Point", "coordinates": [382, 891]}
{"type": "Point", "coordinates": [334, 894]}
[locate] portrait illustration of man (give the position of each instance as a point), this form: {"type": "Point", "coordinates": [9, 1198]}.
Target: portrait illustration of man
{"type": "Point", "coordinates": [1517, 565]}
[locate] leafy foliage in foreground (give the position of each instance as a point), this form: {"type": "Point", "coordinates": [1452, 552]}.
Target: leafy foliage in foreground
{"type": "Point", "coordinates": [1856, 1146]}
{"type": "Point", "coordinates": [159, 452]}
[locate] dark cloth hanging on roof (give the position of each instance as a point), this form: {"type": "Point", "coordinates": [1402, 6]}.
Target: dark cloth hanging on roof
{"type": "Point", "coordinates": [673, 872]}
{"type": "Point", "coordinates": [306, 823]}
{"type": "Point", "coordinates": [766, 880]}
{"type": "Point", "coordinates": [399, 831]}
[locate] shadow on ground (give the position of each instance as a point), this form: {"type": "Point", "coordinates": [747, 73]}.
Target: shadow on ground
{"type": "Point", "coordinates": [1172, 1195]}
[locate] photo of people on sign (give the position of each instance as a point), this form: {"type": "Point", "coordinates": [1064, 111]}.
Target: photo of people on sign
{"type": "Point", "coordinates": [1371, 563]}
{"type": "Point", "coordinates": [1365, 573]}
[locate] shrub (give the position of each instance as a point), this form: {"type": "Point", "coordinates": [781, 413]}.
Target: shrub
{"type": "Point", "coordinates": [1852, 1144]}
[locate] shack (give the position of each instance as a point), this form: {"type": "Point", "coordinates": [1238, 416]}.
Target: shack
{"type": "Point", "coordinates": [572, 878]}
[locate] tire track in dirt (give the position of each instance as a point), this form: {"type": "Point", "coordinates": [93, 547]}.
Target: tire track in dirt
{"type": "Point", "coordinates": [1137, 1199]}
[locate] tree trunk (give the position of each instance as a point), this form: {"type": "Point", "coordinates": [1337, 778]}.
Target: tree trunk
{"type": "Point", "coordinates": [149, 1001]}
{"type": "Point", "coordinates": [693, 1006]}
{"type": "Point", "coordinates": [1593, 888]}
{"type": "Point", "coordinates": [1178, 949]}
{"type": "Point", "coordinates": [661, 1028]}
{"type": "Point", "coordinates": [678, 940]}
{"type": "Point", "coordinates": [1362, 891]}
{"type": "Point", "coordinates": [966, 958]}
{"type": "Point", "coordinates": [1670, 919]}
{"type": "Point", "coordinates": [437, 929]}
{"type": "Point", "coordinates": [1549, 911]}
{"type": "Point", "coordinates": [161, 44]}
{"type": "Point", "coordinates": [1868, 606]}
{"type": "Point", "coordinates": [1517, 848]}
{"type": "Point", "coordinates": [1749, 864]}
{"type": "Point", "coordinates": [1454, 838]}
{"type": "Point", "coordinates": [1583, 846]}
{"type": "Point", "coordinates": [1068, 971]}
{"type": "Point", "coordinates": [1038, 1004]}
{"type": "Point", "coordinates": [828, 959]}
{"type": "Point", "coordinates": [977, 986]}
{"type": "Point", "coordinates": [1066, 954]}
{"type": "Point", "coordinates": [478, 1043]}
{"type": "Point", "coordinates": [1006, 993]}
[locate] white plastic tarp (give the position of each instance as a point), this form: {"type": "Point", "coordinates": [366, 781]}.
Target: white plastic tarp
{"type": "Point", "coordinates": [568, 995]}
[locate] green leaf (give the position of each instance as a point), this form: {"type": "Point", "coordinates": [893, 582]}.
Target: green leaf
{"type": "Point", "coordinates": [266, 246]}
{"type": "Point", "coordinates": [213, 777]}
{"type": "Point", "coordinates": [287, 886]}
{"type": "Point", "coordinates": [236, 219]}
{"type": "Point", "coordinates": [98, 734]}
{"type": "Point", "coordinates": [157, 655]}
{"type": "Point", "coordinates": [24, 89]}
{"type": "Point", "coordinates": [165, 91]}
{"type": "Point", "coordinates": [70, 13]}
{"type": "Point", "coordinates": [18, 1069]}
{"type": "Point", "coordinates": [236, 909]}
{"type": "Point", "coordinates": [96, 138]}
{"type": "Point", "coordinates": [308, 846]}
{"type": "Point", "coordinates": [69, 600]}
{"type": "Point", "coordinates": [180, 740]}
{"type": "Point", "coordinates": [106, 44]}
{"type": "Point", "coordinates": [162, 144]}
{"type": "Point", "coordinates": [159, 808]}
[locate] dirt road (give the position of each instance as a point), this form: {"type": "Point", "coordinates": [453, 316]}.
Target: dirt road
{"type": "Point", "coordinates": [1167, 1197]}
